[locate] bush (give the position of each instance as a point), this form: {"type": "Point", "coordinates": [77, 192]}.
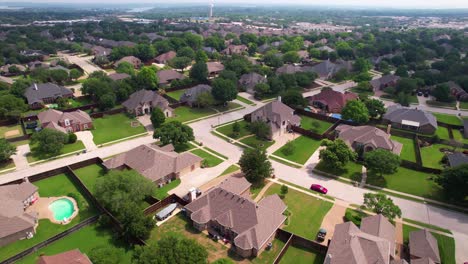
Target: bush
{"type": "Point", "coordinates": [72, 138]}
{"type": "Point", "coordinates": [288, 149]}
{"type": "Point", "coordinates": [354, 216]}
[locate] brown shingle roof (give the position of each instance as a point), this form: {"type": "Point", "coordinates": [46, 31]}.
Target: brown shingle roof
{"type": "Point", "coordinates": [275, 113]}
{"type": "Point", "coordinates": [166, 76]}
{"type": "Point", "coordinates": [141, 97]}
{"type": "Point", "coordinates": [69, 257]}
{"type": "Point", "coordinates": [152, 161]}
{"type": "Point", "coordinates": [378, 225]}
{"type": "Point", "coordinates": [334, 100]}
{"type": "Point", "coordinates": [236, 184]}
{"type": "Point", "coordinates": [368, 135]}
{"type": "Point", "coordinates": [214, 66]}
{"type": "Point", "coordinates": [423, 244]}
{"type": "Point", "coordinates": [53, 118]}
{"type": "Point", "coordinates": [165, 57]}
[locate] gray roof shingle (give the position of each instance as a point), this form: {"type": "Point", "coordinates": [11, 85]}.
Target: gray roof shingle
{"type": "Point", "coordinates": [39, 91]}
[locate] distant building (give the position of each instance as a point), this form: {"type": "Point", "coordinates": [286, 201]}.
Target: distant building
{"type": "Point", "coordinates": [39, 94]}
{"type": "Point", "coordinates": [214, 68]}
{"type": "Point", "coordinates": [66, 122]}
{"type": "Point", "coordinates": [190, 95]}
{"type": "Point", "coordinates": [136, 62]}
{"type": "Point", "coordinates": [100, 51]}
{"type": "Point", "coordinates": [166, 77]}
{"type": "Point", "coordinates": [118, 76]}
{"type": "Point", "coordinates": [385, 81]}
{"type": "Point", "coordinates": [144, 101]}
{"type": "Point", "coordinates": [410, 119]}
{"type": "Point", "coordinates": [71, 257]}
{"type": "Point", "coordinates": [235, 49]}
{"type": "Point", "coordinates": [367, 138]}
{"type": "Point", "coordinates": [165, 57]}
{"type": "Point", "coordinates": [248, 81]}
{"type": "Point", "coordinates": [327, 69]}
{"type": "Point", "coordinates": [331, 101]}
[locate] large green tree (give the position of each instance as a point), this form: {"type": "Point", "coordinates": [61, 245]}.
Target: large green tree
{"type": "Point", "coordinates": [375, 107]}
{"type": "Point", "coordinates": [125, 67]}
{"type": "Point", "coordinates": [255, 165]}
{"type": "Point", "coordinates": [11, 106]}
{"type": "Point", "coordinates": [336, 154]}
{"type": "Point", "coordinates": [381, 204]}
{"type": "Point", "coordinates": [199, 72]}
{"type": "Point", "coordinates": [6, 150]}
{"type": "Point", "coordinates": [442, 93]}
{"type": "Point", "coordinates": [157, 117]}
{"type": "Point", "coordinates": [48, 142]}
{"type": "Point", "coordinates": [293, 98]}
{"type": "Point", "coordinates": [175, 133]}
{"type": "Point", "coordinates": [224, 90]}
{"type": "Point", "coordinates": [180, 63]}
{"type": "Point", "coordinates": [454, 181]}
{"type": "Point", "coordinates": [105, 255]}
{"type": "Point", "coordinates": [147, 78]}
{"type": "Point", "coordinates": [356, 111]}
{"type": "Point", "coordinates": [382, 161]}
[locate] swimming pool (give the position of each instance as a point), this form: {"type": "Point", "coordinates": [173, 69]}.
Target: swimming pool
{"type": "Point", "coordinates": [336, 116]}
{"type": "Point", "coordinates": [62, 209]}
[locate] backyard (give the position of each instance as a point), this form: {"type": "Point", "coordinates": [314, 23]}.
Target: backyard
{"type": "Point", "coordinates": [307, 212]}
{"type": "Point", "coordinates": [448, 119]}
{"type": "Point", "coordinates": [115, 127]}
{"type": "Point", "coordinates": [315, 125]}
{"type": "Point", "coordinates": [407, 152]}
{"type": "Point", "coordinates": [457, 135]}
{"type": "Point", "coordinates": [431, 155]}
{"type": "Point", "coordinates": [11, 131]}
{"type": "Point", "coordinates": [209, 160]}
{"type": "Point", "coordinates": [161, 193]}
{"type": "Point", "coordinates": [442, 132]}
{"type": "Point", "coordinates": [300, 255]}
{"type": "Point", "coordinates": [176, 94]}
{"type": "Point", "coordinates": [446, 244]}
{"type": "Point", "coordinates": [89, 174]}
{"type": "Point", "coordinates": [55, 186]}
{"type": "Point", "coordinates": [85, 240]}
{"type": "Point", "coordinates": [303, 148]}
{"type": "Point", "coordinates": [227, 130]}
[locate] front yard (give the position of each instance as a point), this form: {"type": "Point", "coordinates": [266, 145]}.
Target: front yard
{"type": "Point", "coordinates": [255, 142]}
{"type": "Point", "coordinates": [315, 125]}
{"type": "Point", "coordinates": [114, 127]}
{"type": "Point", "coordinates": [407, 152]}
{"type": "Point", "coordinates": [457, 135]}
{"type": "Point", "coordinates": [67, 148]}
{"type": "Point", "coordinates": [304, 147]}
{"type": "Point", "coordinates": [227, 130]}
{"type": "Point", "coordinates": [186, 113]}
{"type": "Point", "coordinates": [306, 212]}
{"type": "Point", "coordinates": [209, 160]}
{"type": "Point", "coordinates": [352, 170]}
{"type": "Point", "coordinates": [59, 185]}
{"type": "Point", "coordinates": [448, 119]}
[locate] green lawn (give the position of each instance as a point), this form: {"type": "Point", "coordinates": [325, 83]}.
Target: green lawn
{"type": "Point", "coordinates": [442, 132]}
{"type": "Point", "coordinates": [300, 255]}
{"type": "Point", "coordinates": [4, 129]}
{"type": "Point", "coordinates": [89, 174]}
{"type": "Point", "coordinates": [315, 125]}
{"type": "Point", "coordinates": [210, 160]}
{"type": "Point", "coordinates": [361, 91]}
{"type": "Point", "coordinates": [230, 169]}
{"type": "Point", "coordinates": [352, 170]}
{"type": "Point", "coordinates": [7, 165]}
{"type": "Point", "coordinates": [427, 225]}
{"type": "Point", "coordinates": [457, 135]}
{"type": "Point", "coordinates": [245, 100]}
{"type": "Point", "coordinates": [114, 127]}
{"type": "Point", "coordinates": [59, 185]}
{"type": "Point", "coordinates": [79, 102]}
{"type": "Point", "coordinates": [215, 152]}
{"type": "Point", "coordinates": [304, 147]}
{"type": "Point", "coordinates": [85, 240]}
{"type": "Point", "coordinates": [67, 148]}
{"type": "Point", "coordinates": [463, 105]}
{"type": "Point", "coordinates": [407, 152]}
{"type": "Point", "coordinates": [307, 212]}
{"type": "Point", "coordinates": [448, 119]}
{"type": "Point", "coordinates": [227, 130]}
{"type": "Point", "coordinates": [446, 244]}
{"type": "Point", "coordinates": [229, 106]}
{"type": "Point", "coordinates": [431, 156]}
{"type": "Point", "coordinates": [161, 193]}
{"type": "Point", "coordinates": [254, 142]}
{"type": "Point", "coordinates": [176, 94]}
{"type": "Point", "coordinates": [186, 113]}
{"type": "Point", "coordinates": [268, 256]}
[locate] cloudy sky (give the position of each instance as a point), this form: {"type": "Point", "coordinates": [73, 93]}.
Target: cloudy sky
{"type": "Point", "coordinates": [420, 4]}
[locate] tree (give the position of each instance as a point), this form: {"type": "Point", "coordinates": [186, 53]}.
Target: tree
{"type": "Point", "coordinates": [121, 192]}
{"type": "Point", "coordinates": [11, 106]}
{"type": "Point", "coordinates": [291, 57]}
{"type": "Point", "coordinates": [355, 110]}
{"type": "Point", "coordinates": [402, 71]}
{"type": "Point", "coordinates": [125, 67]}
{"type": "Point", "coordinates": [284, 189]}
{"type": "Point", "coordinates": [361, 65]}
{"type": "Point", "coordinates": [255, 165]}
{"type": "Point", "coordinates": [147, 78]}
{"type": "Point", "coordinates": [180, 63]}
{"type": "Point", "coordinates": [381, 204]}
{"type": "Point", "coordinates": [19, 87]}
{"type": "Point", "coordinates": [261, 90]}
{"type": "Point", "coordinates": [375, 107]}
{"type": "Point", "coordinates": [105, 255]}
{"type": "Point", "coordinates": [442, 93]}
{"type": "Point", "coordinates": [75, 74]}
{"type": "Point", "coordinates": [336, 154]}
{"type": "Point", "coordinates": [175, 133]}
{"type": "Point", "coordinates": [260, 129]}
{"type": "Point", "coordinates": [171, 250]}
{"type": "Point", "coordinates": [201, 56]}
{"type": "Point", "coordinates": [199, 72]}
{"type": "Point", "coordinates": [48, 142]}
{"type": "Point", "coordinates": [454, 181]}
{"type": "Point", "coordinates": [205, 99]}
{"type": "Point", "coordinates": [224, 90]}
{"type": "Point", "coordinates": [107, 101]}
{"type": "Point", "coordinates": [157, 117]}
{"type": "Point", "coordinates": [382, 161]}
{"type": "Point", "coordinates": [145, 52]}
{"type": "Point", "coordinates": [236, 128]}
{"type": "Point", "coordinates": [186, 52]}
{"type": "Point", "coordinates": [406, 85]}
{"type": "Point", "coordinates": [6, 150]}
{"type": "Point", "coordinates": [223, 261]}
{"type": "Point", "coordinates": [59, 75]}
{"type": "Point", "coordinates": [294, 99]}
{"type": "Point", "coordinates": [288, 148]}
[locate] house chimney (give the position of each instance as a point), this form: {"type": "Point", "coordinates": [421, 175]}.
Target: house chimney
{"type": "Point", "coordinates": [279, 98]}
{"type": "Point", "coordinates": [389, 128]}
{"type": "Point", "coordinates": [35, 87]}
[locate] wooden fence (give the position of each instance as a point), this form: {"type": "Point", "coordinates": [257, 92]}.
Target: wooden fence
{"type": "Point", "coordinates": [173, 198]}
{"type": "Point", "coordinates": [295, 240]}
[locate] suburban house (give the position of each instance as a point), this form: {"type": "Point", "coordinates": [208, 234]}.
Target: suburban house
{"type": "Point", "coordinates": [15, 222]}
{"type": "Point", "coordinates": [190, 96]}
{"type": "Point", "coordinates": [367, 138]}
{"type": "Point", "coordinates": [39, 94]}
{"type": "Point", "coordinates": [327, 69]}
{"type": "Point", "coordinates": [385, 81]}
{"type": "Point", "coordinates": [235, 49]}
{"type": "Point", "coordinates": [100, 51]}
{"type": "Point", "coordinates": [457, 159]}
{"type": "Point", "coordinates": [423, 245]}
{"type": "Point", "coordinates": [227, 211]}
{"type": "Point", "coordinates": [161, 165]}
{"type": "Point", "coordinates": [136, 62]}
{"type": "Point", "coordinates": [278, 116]}
{"type": "Point", "coordinates": [33, 65]}
{"type": "Point", "coordinates": [214, 68]}
{"type": "Point", "coordinates": [326, 48]}
{"type": "Point", "coordinates": [457, 92]}
{"type": "Point", "coordinates": [288, 69]}
{"type": "Point", "coordinates": [373, 243]}
{"type": "Point", "coordinates": [5, 69]}
{"type": "Point", "coordinates": [248, 81]}
{"type": "Point", "coordinates": [331, 101]}
{"type": "Point", "coordinates": [73, 257]}
{"type": "Point", "coordinates": [118, 76]}
{"type": "Point", "coordinates": [165, 57]}
{"type": "Point", "coordinates": [66, 122]}
{"type": "Point", "coordinates": [165, 77]}
{"type": "Point", "coordinates": [144, 101]}
{"type": "Point", "coordinates": [410, 119]}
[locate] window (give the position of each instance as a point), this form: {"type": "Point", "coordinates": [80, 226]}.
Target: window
{"type": "Point", "coordinates": [85, 126]}
{"type": "Point", "coordinates": [67, 122]}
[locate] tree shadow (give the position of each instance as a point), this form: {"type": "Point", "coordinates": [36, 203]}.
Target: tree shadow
{"type": "Point", "coordinates": [376, 180]}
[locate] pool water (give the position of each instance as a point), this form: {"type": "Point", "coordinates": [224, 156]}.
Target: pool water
{"type": "Point", "coordinates": [62, 209]}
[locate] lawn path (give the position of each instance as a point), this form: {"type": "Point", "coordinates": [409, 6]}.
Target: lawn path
{"type": "Point", "coordinates": [264, 189]}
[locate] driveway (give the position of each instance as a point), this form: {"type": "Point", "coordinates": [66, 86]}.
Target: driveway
{"type": "Point", "coordinates": [87, 138]}
{"type": "Point", "coordinates": [83, 62]}
{"type": "Point", "coordinates": [146, 122]}
{"type": "Point", "coordinates": [19, 158]}
{"type": "Point", "coordinates": [334, 217]}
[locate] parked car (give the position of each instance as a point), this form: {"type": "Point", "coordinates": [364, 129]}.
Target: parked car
{"type": "Point", "coordinates": [318, 188]}
{"type": "Point", "coordinates": [420, 93]}
{"type": "Point", "coordinates": [322, 233]}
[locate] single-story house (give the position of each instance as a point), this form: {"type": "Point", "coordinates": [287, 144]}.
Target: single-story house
{"type": "Point", "coordinates": [373, 243]}
{"type": "Point", "coordinates": [248, 81]}
{"type": "Point", "coordinates": [423, 245]}
{"type": "Point", "coordinates": [100, 51]}
{"type": "Point", "coordinates": [410, 119]}
{"type": "Point", "coordinates": [15, 222]}
{"type": "Point", "coordinates": [136, 62]}
{"type": "Point", "coordinates": [33, 65]}
{"type": "Point", "coordinates": [66, 122]}
{"type": "Point", "coordinates": [165, 77]}
{"type": "Point", "coordinates": [72, 257]}
{"type": "Point", "coordinates": [288, 69]}
{"type": "Point", "coordinates": [278, 116]}
{"type": "Point", "coordinates": [330, 100]}
{"type": "Point", "coordinates": [367, 138]}
{"type": "Point", "coordinates": [190, 96]}
{"type": "Point", "coordinates": [165, 57]}
{"type": "Point", "coordinates": [227, 212]}
{"type": "Point", "coordinates": [5, 69]}
{"type": "Point", "coordinates": [144, 101]}
{"type": "Point", "coordinates": [161, 165]}
{"type": "Point", "coordinates": [326, 48]}
{"type": "Point", "coordinates": [385, 81]}
{"type": "Point", "coordinates": [118, 76]}
{"type": "Point", "coordinates": [214, 68]}
{"type": "Point", "coordinates": [327, 69]}
{"type": "Point", "coordinates": [39, 94]}
{"type": "Point", "coordinates": [235, 49]}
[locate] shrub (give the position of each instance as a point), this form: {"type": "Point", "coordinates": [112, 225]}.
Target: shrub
{"type": "Point", "coordinates": [354, 217]}
{"type": "Point", "coordinates": [72, 138]}
{"type": "Point", "coordinates": [288, 149]}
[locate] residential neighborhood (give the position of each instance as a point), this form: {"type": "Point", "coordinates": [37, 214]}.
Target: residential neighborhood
{"type": "Point", "coordinates": [229, 134]}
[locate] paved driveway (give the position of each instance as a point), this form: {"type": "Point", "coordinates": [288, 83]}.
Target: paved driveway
{"type": "Point", "coordinates": [19, 158]}
{"type": "Point", "coordinates": [83, 62]}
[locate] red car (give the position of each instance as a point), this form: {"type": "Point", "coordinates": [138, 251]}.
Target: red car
{"type": "Point", "coordinates": [318, 188]}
